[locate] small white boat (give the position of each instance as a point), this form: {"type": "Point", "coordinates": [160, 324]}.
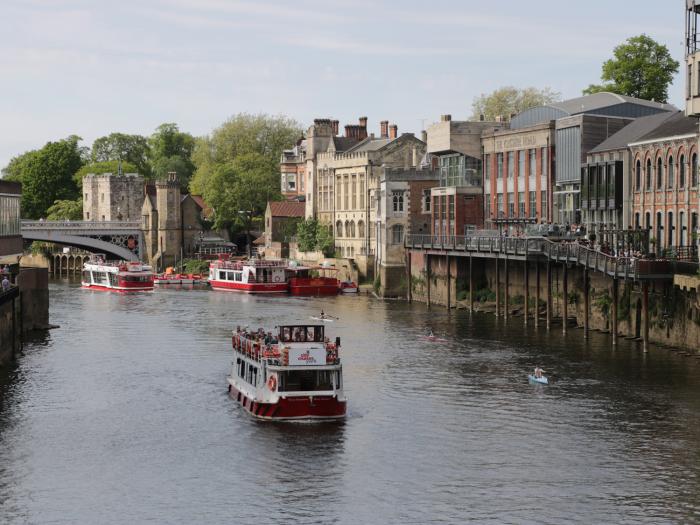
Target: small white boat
{"type": "Point", "coordinates": [538, 380]}
{"type": "Point", "coordinates": [324, 319]}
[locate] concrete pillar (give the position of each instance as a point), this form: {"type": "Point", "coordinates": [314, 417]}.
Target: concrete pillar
{"type": "Point", "coordinates": [565, 302]}
{"type": "Point", "coordinates": [471, 285]}
{"type": "Point", "coordinates": [409, 291]}
{"type": "Point", "coordinates": [449, 283]}
{"type": "Point", "coordinates": [645, 314]}
{"type": "Point", "coordinates": [614, 311]}
{"type": "Point", "coordinates": [498, 287]}
{"type": "Point", "coordinates": [549, 294]}
{"type": "Point", "coordinates": [586, 302]}
{"type": "Point", "coordinates": [537, 293]}
{"type": "Point", "coordinates": [506, 295]}
{"type": "Point", "coordinates": [427, 276]}
{"type": "Point", "coordinates": [526, 290]}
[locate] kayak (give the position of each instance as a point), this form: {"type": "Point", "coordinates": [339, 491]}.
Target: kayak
{"type": "Point", "coordinates": [538, 380]}
{"type": "Point", "coordinates": [324, 319]}
{"type": "Point", "coordinates": [433, 338]}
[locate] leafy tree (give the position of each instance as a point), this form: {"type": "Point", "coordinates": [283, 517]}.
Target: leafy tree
{"type": "Point", "coordinates": [171, 150]}
{"type": "Point", "coordinates": [120, 146]}
{"type": "Point", "coordinates": [99, 168]}
{"type": "Point", "coordinates": [62, 210]}
{"type": "Point", "coordinates": [510, 100]}
{"type": "Point", "coordinates": [325, 241]}
{"type": "Point", "coordinates": [47, 175]}
{"type": "Point", "coordinates": [640, 67]}
{"type": "Point", "coordinates": [306, 235]}
{"type": "Point", "coordinates": [242, 134]}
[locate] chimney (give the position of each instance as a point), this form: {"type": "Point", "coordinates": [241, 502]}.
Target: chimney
{"type": "Point", "coordinates": [424, 136]}
{"type": "Point", "coordinates": [363, 121]}
{"type": "Point", "coordinates": [334, 125]}
{"type": "Point", "coordinates": [393, 131]}
{"type": "Point", "coordinates": [445, 118]}
{"type": "Point", "coordinates": [384, 125]}
{"type": "Point", "coordinates": [481, 118]}
{"type": "Point", "coordinates": [349, 131]}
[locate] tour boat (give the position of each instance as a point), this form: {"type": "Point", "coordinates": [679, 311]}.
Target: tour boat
{"type": "Point", "coordinates": [250, 276]}
{"type": "Point", "coordinates": [120, 276]}
{"type": "Point", "coordinates": [319, 280]}
{"type": "Point", "coordinates": [347, 287]}
{"type": "Point", "coordinates": [293, 375]}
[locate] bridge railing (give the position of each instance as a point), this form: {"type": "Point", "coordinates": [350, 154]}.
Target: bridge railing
{"type": "Point", "coordinates": [81, 225]}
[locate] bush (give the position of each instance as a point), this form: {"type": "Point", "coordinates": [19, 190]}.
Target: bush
{"type": "Point", "coordinates": [196, 266]}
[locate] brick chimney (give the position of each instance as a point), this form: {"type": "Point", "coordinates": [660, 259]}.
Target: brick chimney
{"type": "Point", "coordinates": [445, 118]}
{"type": "Point", "coordinates": [334, 125]}
{"type": "Point", "coordinates": [350, 130]}
{"type": "Point", "coordinates": [363, 121]}
{"type": "Point", "coordinates": [384, 126]}
{"type": "Point", "coordinates": [393, 131]}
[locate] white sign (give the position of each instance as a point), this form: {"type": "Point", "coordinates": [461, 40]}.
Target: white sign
{"type": "Point", "coordinates": [307, 356]}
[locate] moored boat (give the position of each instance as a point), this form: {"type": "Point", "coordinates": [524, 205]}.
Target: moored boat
{"type": "Point", "coordinates": [348, 287]}
{"type": "Point", "coordinates": [119, 276]}
{"type": "Point", "coordinates": [293, 375]}
{"type": "Point", "coordinates": [320, 280]}
{"type": "Point", "coordinates": [249, 276]}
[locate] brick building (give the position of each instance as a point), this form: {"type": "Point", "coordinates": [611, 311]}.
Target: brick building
{"type": "Point", "coordinates": [293, 171]}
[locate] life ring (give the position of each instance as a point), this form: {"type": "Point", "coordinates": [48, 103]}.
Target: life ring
{"type": "Point", "coordinates": [276, 278]}
{"type": "Point", "coordinates": [272, 383]}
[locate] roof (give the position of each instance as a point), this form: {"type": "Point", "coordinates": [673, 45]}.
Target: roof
{"type": "Point", "coordinates": [370, 144]}
{"type": "Point", "coordinates": [633, 132]}
{"type": "Point", "coordinates": [343, 143]}
{"type": "Point", "coordinates": [677, 125]}
{"type": "Point", "coordinates": [604, 99]}
{"type": "Point", "coordinates": [287, 209]}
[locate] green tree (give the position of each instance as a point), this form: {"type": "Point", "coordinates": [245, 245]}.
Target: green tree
{"type": "Point", "coordinates": [47, 175]}
{"type": "Point", "coordinates": [510, 100]}
{"type": "Point", "coordinates": [242, 134]}
{"type": "Point", "coordinates": [171, 150]}
{"type": "Point", "coordinates": [100, 168]}
{"type": "Point", "coordinates": [324, 241]}
{"type": "Point", "coordinates": [65, 210]}
{"type": "Point", "coordinates": [306, 235]}
{"type": "Point", "coordinates": [133, 149]}
{"type": "Point", "coordinates": [640, 67]}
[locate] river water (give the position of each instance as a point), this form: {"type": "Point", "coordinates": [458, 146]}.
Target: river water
{"type": "Point", "coordinates": [121, 416]}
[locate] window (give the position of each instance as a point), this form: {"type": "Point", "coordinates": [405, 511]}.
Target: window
{"type": "Point", "coordinates": [426, 201]}
{"type": "Point", "coordinates": [397, 234]}
{"type": "Point", "coordinates": [659, 174]}
{"type": "Point", "coordinates": [361, 229]}
{"type": "Point", "coordinates": [681, 172]}
{"type": "Point", "coordinates": [362, 193]}
{"type": "Point", "coordinates": [533, 204]}
{"type": "Point", "coordinates": [521, 164]}
{"type": "Point", "coordinates": [511, 205]}
{"type": "Point", "coordinates": [499, 165]}
{"type": "Point", "coordinates": [545, 160]}
{"type": "Point", "coordinates": [670, 172]}
{"type": "Point", "coordinates": [511, 164]}
{"type": "Point", "coordinates": [670, 229]}
{"type": "Point", "coordinates": [647, 176]}
{"type": "Point", "coordinates": [533, 162]}
{"type": "Point", "coordinates": [487, 170]}
{"type": "Point", "coordinates": [339, 229]}
{"type": "Point", "coordinates": [521, 204]}
{"type": "Point", "coordinates": [397, 201]}
{"type": "Point", "coordinates": [638, 176]}
{"type": "Point", "coordinates": [544, 205]}
{"type": "Point", "coordinates": [682, 226]}
{"type": "Point", "coordinates": [346, 194]}
{"type": "Point", "coordinates": [694, 170]}
{"type": "Point", "coordinates": [499, 204]}
{"type": "Point", "coordinates": [487, 206]}
{"type": "Point", "coordinates": [636, 221]}
{"type": "Point", "coordinates": [354, 192]}
{"type": "Point", "coordinates": [87, 216]}
{"type": "Point", "coordinates": [689, 82]}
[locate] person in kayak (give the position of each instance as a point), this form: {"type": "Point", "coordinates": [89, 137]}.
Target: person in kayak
{"type": "Point", "coordinates": [538, 372]}
{"type": "Point", "coordinates": [323, 315]}
{"type": "Point", "coordinates": [430, 333]}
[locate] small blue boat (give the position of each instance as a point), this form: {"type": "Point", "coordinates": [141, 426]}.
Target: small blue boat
{"type": "Point", "coordinates": [538, 380]}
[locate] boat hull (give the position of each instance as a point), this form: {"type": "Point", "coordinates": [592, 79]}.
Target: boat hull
{"type": "Point", "coordinates": [301, 408]}
{"type": "Point", "coordinates": [123, 289]}
{"type": "Point", "coordinates": [317, 286]}
{"type": "Point", "coordinates": [249, 287]}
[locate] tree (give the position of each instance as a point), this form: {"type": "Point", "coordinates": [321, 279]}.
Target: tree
{"type": "Point", "coordinates": [100, 168]}
{"type": "Point", "coordinates": [127, 148]}
{"type": "Point", "coordinates": [510, 100]}
{"type": "Point", "coordinates": [46, 175]}
{"type": "Point", "coordinates": [640, 67]}
{"type": "Point", "coordinates": [244, 133]}
{"type": "Point", "coordinates": [171, 150]}
{"type": "Point", "coordinates": [62, 210]}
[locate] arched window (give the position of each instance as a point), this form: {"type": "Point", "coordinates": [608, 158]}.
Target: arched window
{"type": "Point", "coordinates": [659, 174]}
{"type": "Point", "coordinates": [683, 227]}
{"type": "Point", "coordinates": [670, 172]}
{"type": "Point", "coordinates": [636, 221]}
{"type": "Point", "coordinates": [397, 201]}
{"type": "Point", "coordinates": [694, 170]}
{"type": "Point", "coordinates": [348, 233]}
{"type": "Point", "coordinates": [670, 230]}
{"type": "Point", "coordinates": [339, 229]}
{"type": "Point", "coordinates": [638, 176]}
{"type": "Point", "coordinates": [352, 229]}
{"type": "Point", "coordinates": [361, 229]}
{"type": "Point", "coordinates": [681, 171]}
{"type": "Point", "coordinates": [397, 234]}
{"type": "Point", "coordinates": [647, 176]}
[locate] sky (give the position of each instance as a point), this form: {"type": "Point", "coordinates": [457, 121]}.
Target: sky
{"type": "Point", "coordinates": [93, 67]}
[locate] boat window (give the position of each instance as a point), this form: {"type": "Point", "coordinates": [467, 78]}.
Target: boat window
{"type": "Point", "coordinates": [306, 380]}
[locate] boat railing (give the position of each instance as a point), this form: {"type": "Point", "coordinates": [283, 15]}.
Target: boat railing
{"type": "Point", "coordinates": [274, 352]}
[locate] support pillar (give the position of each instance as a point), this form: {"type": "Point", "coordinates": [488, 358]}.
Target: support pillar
{"type": "Point", "coordinates": [549, 294]}
{"type": "Point", "coordinates": [645, 314]}
{"type": "Point", "coordinates": [537, 293]}
{"type": "Point", "coordinates": [498, 287]}
{"type": "Point", "coordinates": [471, 285]}
{"type": "Point", "coordinates": [586, 302]}
{"type": "Point", "coordinates": [565, 302]}
{"type": "Point", "coordinates": [526, 290]}
{"type": "Point", "coordinates": [449, 283]}
{"type": "Point", "coordinates": [614, 311]}
{"type": "Point", "coordinates": [14, 328]}
{"type": "Point", "coordinates": [428, 277]}
{"type": "Point", "coordinates": [506, 295]}
{"type": "Point", "coordinates": [409, 279]}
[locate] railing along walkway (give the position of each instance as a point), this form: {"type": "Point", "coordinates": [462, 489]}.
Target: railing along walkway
{"type": "Point", "coordinates": [524, 247]}
{"type": "Point", "coordinates": [81, 225]}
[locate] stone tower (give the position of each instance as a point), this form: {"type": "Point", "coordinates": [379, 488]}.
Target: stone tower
{"type": "Point", "coordinates": [109, 197]}
{"type": "Point", "coordinates": [169, 220]}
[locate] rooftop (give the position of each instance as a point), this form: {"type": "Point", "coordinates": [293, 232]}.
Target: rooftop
{"type": "Point", "coordinates": [633, 131]}
{"type": "Point", "coordinates": [287, 209]}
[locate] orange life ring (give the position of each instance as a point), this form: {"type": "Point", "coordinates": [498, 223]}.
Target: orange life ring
{"type": "Point", "coordinates": [272, 383]}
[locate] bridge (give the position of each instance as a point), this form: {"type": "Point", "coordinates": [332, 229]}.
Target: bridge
{"type": "Point", "coordinates": [121, 239]}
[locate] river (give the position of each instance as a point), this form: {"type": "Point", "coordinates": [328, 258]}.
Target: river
{"type": "Point", "coordinates": [121, 416]}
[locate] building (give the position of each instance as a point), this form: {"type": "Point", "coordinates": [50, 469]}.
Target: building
{"type": "Point", "coordinates": [455, 150]}
{"type": "Point", "coordinates": [10, 223]}
{"type": "Point", "coordinates": [580, 124]}
{"type": "Point", "coordinates": [607, 187]}
{"type": "Point", "coordinates": [293, 171]}
{"type": "Point", "coordinates": [109, 197]}
{"type": "Point", "coordinates": [665, 182]}
{"type": "Point", "coordinates": [281, 219]}
{"type": "Point", "coordinates": [403, 208]}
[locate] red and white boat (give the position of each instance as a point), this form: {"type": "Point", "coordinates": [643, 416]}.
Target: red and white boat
{"type": "Point", "coordinates": [120, 276]}
{"type": "Point", "coordinates": [347, 287]}
{"type": "Point", "coordinates": [293, 375]}
{"type": "Point", "coordinates": [320, 280]}
{"type": "Point", "coordinates": [250, 276]}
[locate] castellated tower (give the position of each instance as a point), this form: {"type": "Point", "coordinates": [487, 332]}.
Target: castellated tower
{"type": "Point", "coordinates": [109, 197]}
{"type": "Point", "coordinates": [169, 219]}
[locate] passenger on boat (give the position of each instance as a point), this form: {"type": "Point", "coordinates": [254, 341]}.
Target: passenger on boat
{"type": "Point", "coordinates": [538, 372]}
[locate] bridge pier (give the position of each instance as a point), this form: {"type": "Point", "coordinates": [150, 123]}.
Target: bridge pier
{"type": "Point", "coordinates": [586, 302]}
{"type": "Point", "coordinates": [549, 294]}
{"type": "Point", "coordinates": [471, 285]}
{"type": "Point", "coordinates": [498, 287]}
{"type": "Point", "coordinates": [427, 276]}
{"type": "Point", "coordinates": [449, 278]}
{"type": "Point", "coordinates": [506, 295]}
{"type": "Point", "coordinates": [409, 278]}
{"type": "Point", "coordinates": [645, 314]}
{"type": "Point", "coordinates": [614, 311]}
{"type": "Point", "coordinates": [526, 291]}
{"type": "Point", "coordinates": [537, 293]}
{"type": "Point", "coordinates": [565, 298]}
